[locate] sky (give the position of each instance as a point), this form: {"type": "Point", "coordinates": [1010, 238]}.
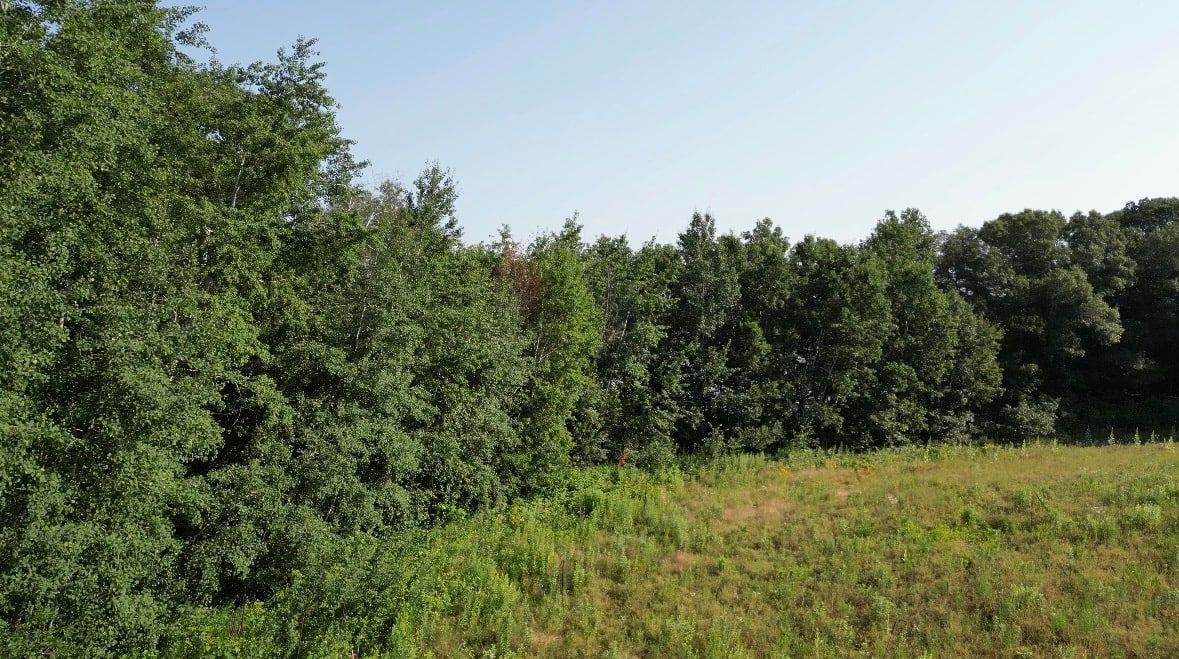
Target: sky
{"type": "Point", "coordinates": [818, 115]}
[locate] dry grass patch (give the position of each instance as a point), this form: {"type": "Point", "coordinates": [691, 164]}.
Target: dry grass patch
{"type": "Point", "coordinates": [679, 562]}
{"type": "Point", "coordinates": [763, 507]}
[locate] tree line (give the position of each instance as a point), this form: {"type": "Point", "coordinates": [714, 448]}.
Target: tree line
{"type": "Point", "coordinates": [220, 354]}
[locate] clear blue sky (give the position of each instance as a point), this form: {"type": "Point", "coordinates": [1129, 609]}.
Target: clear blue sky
{"type": "Point", "coordinates": [820, 115]}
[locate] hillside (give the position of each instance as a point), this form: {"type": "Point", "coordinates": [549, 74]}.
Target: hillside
{"type": "Point", "coordinates": [1040, 551]}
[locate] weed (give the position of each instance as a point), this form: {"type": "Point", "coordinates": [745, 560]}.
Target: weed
{"type": "Point", "coordinates": [1144, 516]}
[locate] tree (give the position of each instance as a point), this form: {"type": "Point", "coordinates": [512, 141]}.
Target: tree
{"type": "Point", "coordinates": [938, 363]}
{"type": "Point", "coordinates": [632, 419]}
{"type": "Point", "coordinates": [839, 319]}
{"type": "Point", "coordinates": [706, 293]}
{"type": "Point", "coordinates": [1020, 273]}
{"type": "Point", "coordinates": [136, 260]}
{"type": "Point", "coordinates": [1145, 243]}
{"type": "Point", "coordinates": [147, 203]}
{"type": "Point", "coordinates": [758, 395]}
{"type": "Point", "coordinates": [563, 326]}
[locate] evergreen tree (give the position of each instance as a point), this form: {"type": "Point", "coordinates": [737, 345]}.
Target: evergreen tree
{"type": "Point", "coordinates": [899, 403]}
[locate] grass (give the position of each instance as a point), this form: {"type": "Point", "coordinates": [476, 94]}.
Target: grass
{"type": "Point", "coordinates": [954, 551]}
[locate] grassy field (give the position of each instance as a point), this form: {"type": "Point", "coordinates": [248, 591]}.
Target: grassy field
{"type": "Point", "coordinates": [1038, 551]}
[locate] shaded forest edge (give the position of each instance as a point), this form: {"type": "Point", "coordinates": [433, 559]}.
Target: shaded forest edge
{"type": "Point", "coordinates": [222, 358]}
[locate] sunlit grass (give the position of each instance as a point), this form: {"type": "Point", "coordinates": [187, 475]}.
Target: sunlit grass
{"type": "Point", "coordinates": [950, 551]}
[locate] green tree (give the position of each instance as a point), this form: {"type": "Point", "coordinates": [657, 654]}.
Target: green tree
{"type": "Point", "coordinates": [695, 353]}
{"type": "Point", "coordinates": [1141, 368]}
{"type": "Point", "coordinates": [964, 396]}
{"type": "Point", "coordinates": [144, 202]}
{"type": "Point", "coordinates": [938, 363]}
{"type": "Point", "coordinates": [563, 325]}
{"type": "Point", "coordinates": [632, 288]}
{"type": "Point", "coordinates": [127, 249]}
{"type": "Point", "coordinates": [759, 395]}
{"type": "Point", "coordinates": [1020, 273]}
{"type": "Point", "coordinates": [839, 320]}
{"type": "Point", "coordinates": [396, 365]}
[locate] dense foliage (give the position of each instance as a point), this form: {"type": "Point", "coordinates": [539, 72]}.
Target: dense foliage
{"type": "Point", "coordinates": [221, 359]}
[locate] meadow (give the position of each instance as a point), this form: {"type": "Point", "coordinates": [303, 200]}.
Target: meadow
{"type": "Point", "coordinates": [1040, 550]}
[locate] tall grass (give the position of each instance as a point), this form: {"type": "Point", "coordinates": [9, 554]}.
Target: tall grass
{"type": "Point", "coordinates": [948, 550]}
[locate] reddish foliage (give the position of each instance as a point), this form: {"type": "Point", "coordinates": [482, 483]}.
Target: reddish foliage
{"type": "Point", "coordinates": [623, 457]}
{"type": "Point", "coordinates": [521, 273]}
